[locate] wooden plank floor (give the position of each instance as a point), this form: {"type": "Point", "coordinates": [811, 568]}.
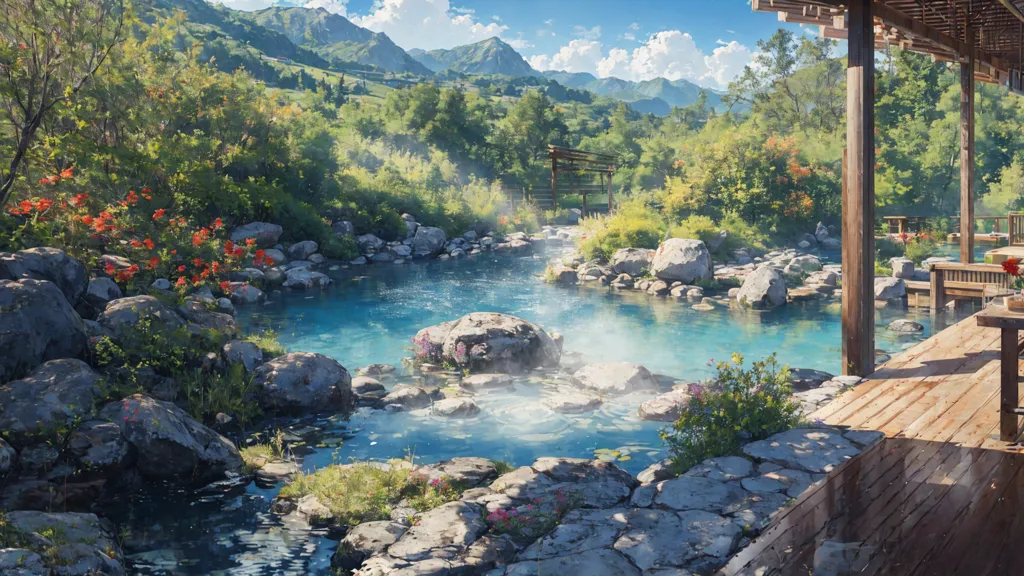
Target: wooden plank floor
{"type": "Point", "coordinates": [940, 495]}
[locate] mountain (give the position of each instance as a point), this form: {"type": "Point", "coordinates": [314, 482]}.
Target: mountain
{"type": "Point", "coordinates": [656, 96]}
{"type": "Point", "coordinates": [491, 56]}
{"type": "Point", "coordinates": [335, 38]}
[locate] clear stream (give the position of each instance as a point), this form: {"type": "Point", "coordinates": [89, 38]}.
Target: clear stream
{"type": "Point", "coordinates": [370, 314]}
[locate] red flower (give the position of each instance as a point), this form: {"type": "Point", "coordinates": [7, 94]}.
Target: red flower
{"type": "Point", "coordinates": [148, 243]}
{"type": "Point", "coordinates": [26, 206]}
{"type": "Point", "coordinates": [198, 262]}
{"type": "Point", "coordinates": [68, 172]}
{"type": "Point", "coordinates": [43, 205]}
{"type": "Point", "coordinates": [181, 281]}
{"type": "Point", "coordinates": [87, 220]}
{"type": "Point", "coordinates": [79, 199]}
{"type": "Point", "coordinates": [174, 251]}
{"type": "Point", "coordinates": [268, 261]}
{"type": "Point", "coordinates": [159, 214]}
{"type": "Point", "coordinates": [225, 286]}
{"type": "Point", "coordinates": [239, 252]}
{"type": "Point", "coordinates": [109, 269]}
{"type": "Point", "coordinates": [1012, 266]}
{"type": "Point", "coordinates": [195, 280]}
{"type": "Point", "coordinates": [218, 223]}
{"type": "Point", "coordinates": [132, 197]}
{"type": "Point", "coordinates": [136, 244]}
{"type": "Point", "coordinates": [250, 242]}
{"type": "Point", "coordinates": [153, 262]}
{"type": "Point", "coordinates": [215, 266]}
{"type": "Point", "coordinates": [229, 248]}
{"type": "Point", "coordinates": [49, 180]}
{"type": "Point", "coordinates": [181, 268]}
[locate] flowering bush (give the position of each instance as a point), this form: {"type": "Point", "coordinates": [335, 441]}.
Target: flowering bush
{"type": "Point", "coordinates": [737, 406]}
{"type": "Point", "coordinates": [532, 520]}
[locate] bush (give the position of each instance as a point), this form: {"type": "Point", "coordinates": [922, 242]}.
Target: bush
{"type": "Point", "coordinates": [739, 233]}
{"type": "Point", "coordinates": [920, 247]}
{"type": "Point", "coordinates": [340, 248]}
{"type": "Point", "coordinates": [738, 405]}
{"type": "Point", "coordinates": [886, 249]}
{"type": "Point", "coordinates": [633, 225]}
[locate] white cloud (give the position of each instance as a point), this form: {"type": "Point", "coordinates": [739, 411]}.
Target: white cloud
{"type": "Point", "coordinates": [518, 42]}
{"type": "Point", "coordinates": [628, 36]}
{"type": "Point", "coordinates": [634, 26]}
{"type": "Point", "coordinates": [549, 22]}
{"type": "Point", "coordinates": [579, 56]}
{"type": "Point", "coordinates": [586, 33]}
{"type": "Point", "coordinates": [670, 54]}
{"type": "Point", "coordinates": [338, 7]}
{"type": "Point", "coordinates": [426, 24]}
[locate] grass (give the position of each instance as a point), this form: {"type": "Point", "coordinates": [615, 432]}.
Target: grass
{"type": "Point", "coordinates": [259, 454]}
{"type": "Point", "coordinates": [502, 467]}
{"type": "Point", "coordinates": [267, 342]}
{"type": "Point", "coordinates": [363, 492]}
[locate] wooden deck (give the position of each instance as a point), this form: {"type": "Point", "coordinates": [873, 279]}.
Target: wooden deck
{"type": "Point", "coordinates": [940, 495]}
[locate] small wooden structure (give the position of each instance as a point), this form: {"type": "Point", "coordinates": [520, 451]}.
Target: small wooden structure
{"type": "Point", "coordinates": [1015, 227]}
{"type": "Point", "coordinates": [954, 280]}
{"type": "Point", "coordinates": [577, 167]}
{"type": "Point", "coordinates": [986, 38]}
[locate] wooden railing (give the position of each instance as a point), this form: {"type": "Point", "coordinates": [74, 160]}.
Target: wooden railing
{"type": "Point", "coordinates": [953, 280]}
{"type": "Point", "coordinates": [1016, 229]}
{"type": "Point", "coordinates": [996, 220]}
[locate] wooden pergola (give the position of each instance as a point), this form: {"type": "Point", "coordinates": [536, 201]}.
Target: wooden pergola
{"type": "Point", "coordinates": [983, 36]}
{"type": "Point", "coordinates": [571, 160]}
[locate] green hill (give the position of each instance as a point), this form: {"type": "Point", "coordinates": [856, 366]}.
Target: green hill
{"type": "Point", "coordinates": [491, 56]}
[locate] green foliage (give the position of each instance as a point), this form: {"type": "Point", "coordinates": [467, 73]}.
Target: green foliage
{"type": "Point", "coordinates": [208, 393]}
{"type": "Point", "coordinates": [502, 467]}
{"type": "Point", "coordinates": [633, 225]}
{"type": "Point", "coordinates": [261, 452]}
{"type": "Point", "coordinates": [340, 248]}
{"type": "Point", "coordinates": [267, 343]}
{"type": "Point", "coordinates": [736, 406]}
{"type": "Point", "coordinates": [920, 247]}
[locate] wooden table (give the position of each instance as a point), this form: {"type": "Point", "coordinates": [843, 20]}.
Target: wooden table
{"type": "Point", "coordinates": [995, 316]}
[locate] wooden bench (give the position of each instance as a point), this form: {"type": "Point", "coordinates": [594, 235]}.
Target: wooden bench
{"type": "Point", "coordinates": [954, 280]}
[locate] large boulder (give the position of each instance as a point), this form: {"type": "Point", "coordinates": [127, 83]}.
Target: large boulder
{"type": "Point", "coordinates": [665, 407]}
{"type": "Point", "coordinates": [169, 444]}
{"type": "Point", "coordinates": [890, 288]}
{"type": "Point", "coordinates": [365, 540]}
{"type": "Point", "coordinates": [442, 533]}
{"type": "Point", "coordinates": [764, 288]}
{"type": "Point", "coordinates": [305, 279]}
{"type": "Point", "coordinates": [302, 250]}
{"type": "Point", "coordinates": [488, 341]}
{"type": "Point", "coordinates": [75, 544]}
{"type": "Point", "coordinates": [122, 316]}
{"type": "Point", "coordinates": [68, 274]}
{"type": "Point", "coordinates": [902, 267]}
{"type": "Point", "coordinates": [369, 243]}
{"type": "Point", "coordinates": [37, 324]}
{"type": "Point", "coordinates": [614, 378]}
{"type": "Point", "coordinates": [197, 312]}
{"type": "Point", "coordinates": [428, 241]}
{"type": "Point", "coordinates": [633, 261]}
{"type": "Point", "coordinates": [343, 228]}
{"type": "Point", "coordinates": [265, 234]}
{"type": "Point", "coordinates": [50, 398]}
{"type": "Point", "coordinates": [99, 293]}
{"type": "Point", "coordinates": [303, 381]}
{"type": "Point", "coordinates": [241, 352]}
{"type": "Point", "coordinates": [682, 260]}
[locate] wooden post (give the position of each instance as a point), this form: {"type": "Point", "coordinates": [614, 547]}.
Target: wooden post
{"type": "Point", "coordinates": [610, 173]}
{"type": "Point", "coordinates": [554, 182]}
{"type": "Point", "coordinates": [937, 290]}
{"type": "Point", "coordinates": [1008, 384]}
{"type": "Point", "coordinates": [859, 200]}
{"type": "Point", "coordinates": [967, 151]}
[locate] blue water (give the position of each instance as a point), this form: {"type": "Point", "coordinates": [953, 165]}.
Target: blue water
{"type": "Point", "coordinates": [369, 315]}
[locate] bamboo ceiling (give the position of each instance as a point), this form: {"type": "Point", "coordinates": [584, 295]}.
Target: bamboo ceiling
{"type": "Point", "coordinates": [935, 27]}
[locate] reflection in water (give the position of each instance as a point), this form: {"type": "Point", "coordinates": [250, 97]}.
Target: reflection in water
{"type": "Point", "coordinates": [369, 315]}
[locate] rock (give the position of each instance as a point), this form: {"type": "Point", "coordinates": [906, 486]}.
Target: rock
{"type": "Point", "coordinates": [722, 469]}
{"type": "Point", "coordinates": [306, 279]}
{"type": "Point", "coordinates": [470, 472]}
{"type": "Point", "coordinates": [343, 228]}
{"type": "Point", "coordinates": [831, 244]}
{"type": "Point", "coordinates": [820, 232]}
{"type": "Point", "coordinates": [247, 294]}
{"type": "Point", "coordinates": [428, 241]}
{"type": "Point", "coordinates": [622, 281]}
{"type": "Point", "coordinates": [225, 306]}
{"type": "Point", "coordinates": [53, 396]}
{"type": "Point", "coordinates": [600, 562]}
{"type": "Point", "coordinates": [684, 260]}
{"type": "Point", "coordinates": [404, 398]}
{"type": "Point", "coordinates": [823, 278]}
{"type": "Point", "coordinates": [574, 216]}
{"type": "Point", "coordinates": [659, 538]}
{"type": "Point", "coordinates": [199, 314]}
{"type": "Point", "coordinates": [313, 510]}
{"type": "Point", "coordinates": [614, 378]}
{"type": "Point", "coordinates": [50, 264]}
{"type": "Point", "coordinates": [161, 284]}
{"type": "Point", "coordinates": [21, 562]}
{"type": "Point", "coordinates": [38, 324]}
{"type": "Point", "coordinates": [716, 241]}
{"type": "Point", "coordinates": [666, 407]}
{"type": "Point", "coordinates": [442, 533]}
{"type": "Point", "coordinates": [763, 288]}
{"type": "Point", "coordinates": [100, 292]}
{"type": "Point", "coordinates": [890, 288]}
{"type": "Point", "coordinates": [656, 472]}
{"type": "Point", "coordinates": [460, 407]}
{"type": "Point", "coordinates": [365, 540]}
{"type": "Point", "coordinates": [78, 544]}
{"type": "Point", "coordinates": [401, 251]}
{"type": "Point", "coordinates": [251, 275]}
{"type": "Point", "coordinates": [792, 482]}
{"type": "Point", "coordinates": [99, 449]}
{"type": "Point", "coordinates": [275, 276]}
{"type": "Point", "coordinates": [169, 444]}
{"type": "Point", "coordinates": [486, 381]}
{"type": "Point", "coordinates": [572, 403]}
{"type": "Point", "coordinates": [632, 261]}
{"type": "Point", "coordinates": [265, 234]}
{"type": "Point", "coordinates": [302, 381]}
{"type": "Point", "coordinates": [382, 257]}
{"type": "Point", "coordinates": [698, 493]}
{"type": "Point", "coordinates": [8, 458]}
{"type": "Point", "coordinates": [369, 243]}
{"type": "Point", "coordinates": [579, 531]}
{"type": "Point", "coordinates": [810, 450]}
{"type": "Point", "coordinates": [489, 341]}
{"type": "Point", "coordinates": [276, 255]}
{"type": "Point", "coordinates": [807, 263]}
{"type": "Point", "coordinates": [902, 267]}
{"type": "Point", "coordinates": [563, 275]}
{"type": "Point", "coordinates": [904, 326]}
{"type": "Point", "coordinates": [803, 245]}
{"type": "Point", "coordinates": [365, 384]}
{"type": "Point", "coordinates": [358, 261]}
{"type": "Point", "coordinates": [241, 352]}
{"type": "Point", "coordinates": [122, 316]}
{"type": "Point", "coordinates": [376, 370]}
{"type": "Point", "coordinates": [658, 288]}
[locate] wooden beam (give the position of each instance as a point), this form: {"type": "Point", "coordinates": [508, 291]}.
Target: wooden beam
{"type": "Point", "coordinates": [610, 192]}
{"type": "Point", "coordinates": [554, 183]}
{"type": "Point", "coordinates": [859, 201]}
{"type": "Point", "coordinates": [967, 153]}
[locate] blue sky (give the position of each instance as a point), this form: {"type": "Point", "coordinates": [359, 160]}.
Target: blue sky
{"type": "Point", "coordinates": [705, 41]}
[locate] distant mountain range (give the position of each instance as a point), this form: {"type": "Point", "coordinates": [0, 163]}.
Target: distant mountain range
{"type": "Point", "coordinates": [656, 96]}
{"type": "Point", "coordinates": [491, 56]}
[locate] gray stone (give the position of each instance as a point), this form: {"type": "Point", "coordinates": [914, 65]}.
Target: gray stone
{"type": "Point", "coordinates": [656, 472]}
{"type": "Point", "coordinates": [723, 468]}
{"type": "Point", "coordinates": [460, 407]}
{"type": "Point", "coordinates": [265, 234]}
{"type": "Point", "coordinates": [563, 275]}
{"type": "Point", "coordinates": [523, 483]}
{"type": "Point", "coordinates": [376, 370]}
{"type": "Point", "coordinates": [600, 562]}
{"type": "Point", "coordinates": [50, 264]}
{"type": "Point", "coordinates": [200, 314]}
{"type": "Point", "coordinates": [904, 326]}
{"type": "Point", "coordinates": [806, 263]}
{"type": "Point", "coordinates": [486, 381]}
{"type": "Point", "coordinates": [365, 384]}
{"type": "Point", "coordinates": [38, 324]}
{"type": "Point", "coordinates": [49, 398]}
{"type": "Point", "coordinates": [820, 232]}
{"type": "Point", "coordinates": [277, 256]}
{"type": "Point", "coordinates": [658, 288]}
{"type": "Point", "coordinates": [241, 352]}
{"type": "Point", "coordinates": [247, 294]}
{"type": "Point", "coordinates": [21, 562]}
{"type": "Point", "coordinates": [101, 291]}
{"type": "Point", "coordinates": [358, 261]}
{"type": "Point", "coordinates": [442, 533]}
{"type": "Point", "coordinates": [428, 241]}
{"type": "Point", "coordinates": [365, 540]}
{"type": "Point", "coordinates": [488, 341]}
{"type": "Point", "coordinates": [161, 284]}
{"type": "Point", "coordinates": [169, 444]}
{"type": "Point", "coordinates": [343, 228]}
{"type": "Point", "coordinates": [79, 544]}
{"type": "Point", "coordinates": [698, 493]}
{"type": "Point", "coordinates": [684, 260]}
{"type": "Point", "coordinates": [302, 250]}
{"type": "Point", "coordinates": [468, 471]}
{"type": "Point", "coordinates": [614, 378]}
{"type": "Point", "coordinates": [665, 407]}
{"type": "Point", "coordinates": [302, 381]}
{"type": "Point", "coordinates": [653, 538]}
{"type": "Point", "coordinates": [369, 243]}
{"type": "Point", "coordinates": [404, 398]}
{"type": "Point", "coordinates": [123, 315]}
{"type": "Point", "coordinates": [579, 531]}
{"type": "Point", "coordinates": [811, 450]}
{"type": "Point", "coordinates": [572, 403]}
{"type": "Point", "coordinates": [632, 261]}
{"type": "Point", "coordinates": [863, 438]}
{"type": "Point", "coordinates": [99, 448]}
{"type": "Point", "coordinates": [8, 458]}
{"type": "Point", "coordinates": [763, 288]}
{"type": "Point", "coordinates": [574, 216]}
{"type": "Point", "coordinates": [807, 378]}
{"type": "Point", "coordinates": [890, 288]}
{"type": "Point", "coordinates": [902, 267]}
{"type": "Point", "coordinates": [305, 279]}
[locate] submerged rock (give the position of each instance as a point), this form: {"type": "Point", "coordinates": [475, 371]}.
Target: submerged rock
{"type": "Point", "coordinates": [614, 378]}
{"type": "Point", "coordinates": [573, 403]}
{"type": "Point", "coordinates": [904, 326]}
{"type": "Point", "coordinates": [404, 398]}
{"type": "Point", "coordinates": [489, 341]}
{"type": "Point", "coordinates": [456, 407]}
{"type": "Point", "coordinates": [302, 381]}
{"type": "Point", "coordinates": [486, 381]}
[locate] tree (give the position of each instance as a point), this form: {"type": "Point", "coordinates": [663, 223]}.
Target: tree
{"type": "Point", "coordinates": [49, 49]}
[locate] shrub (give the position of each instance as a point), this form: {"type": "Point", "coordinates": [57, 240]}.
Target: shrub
{"type": "Point", "coordinates": [920, 247]}
{"type": "Point", "coordinates": [739, 233]}
{"type": "Point", "coordinates": [738, 405]}
{"type": "Point", "coordinates": [340, 248]}
{"type": "Point", "coordinates": [887, 249]}
{"type": "Point", "coordinates": [257, 455]}
{"type": "Point", "coordinates": [633, 225]}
